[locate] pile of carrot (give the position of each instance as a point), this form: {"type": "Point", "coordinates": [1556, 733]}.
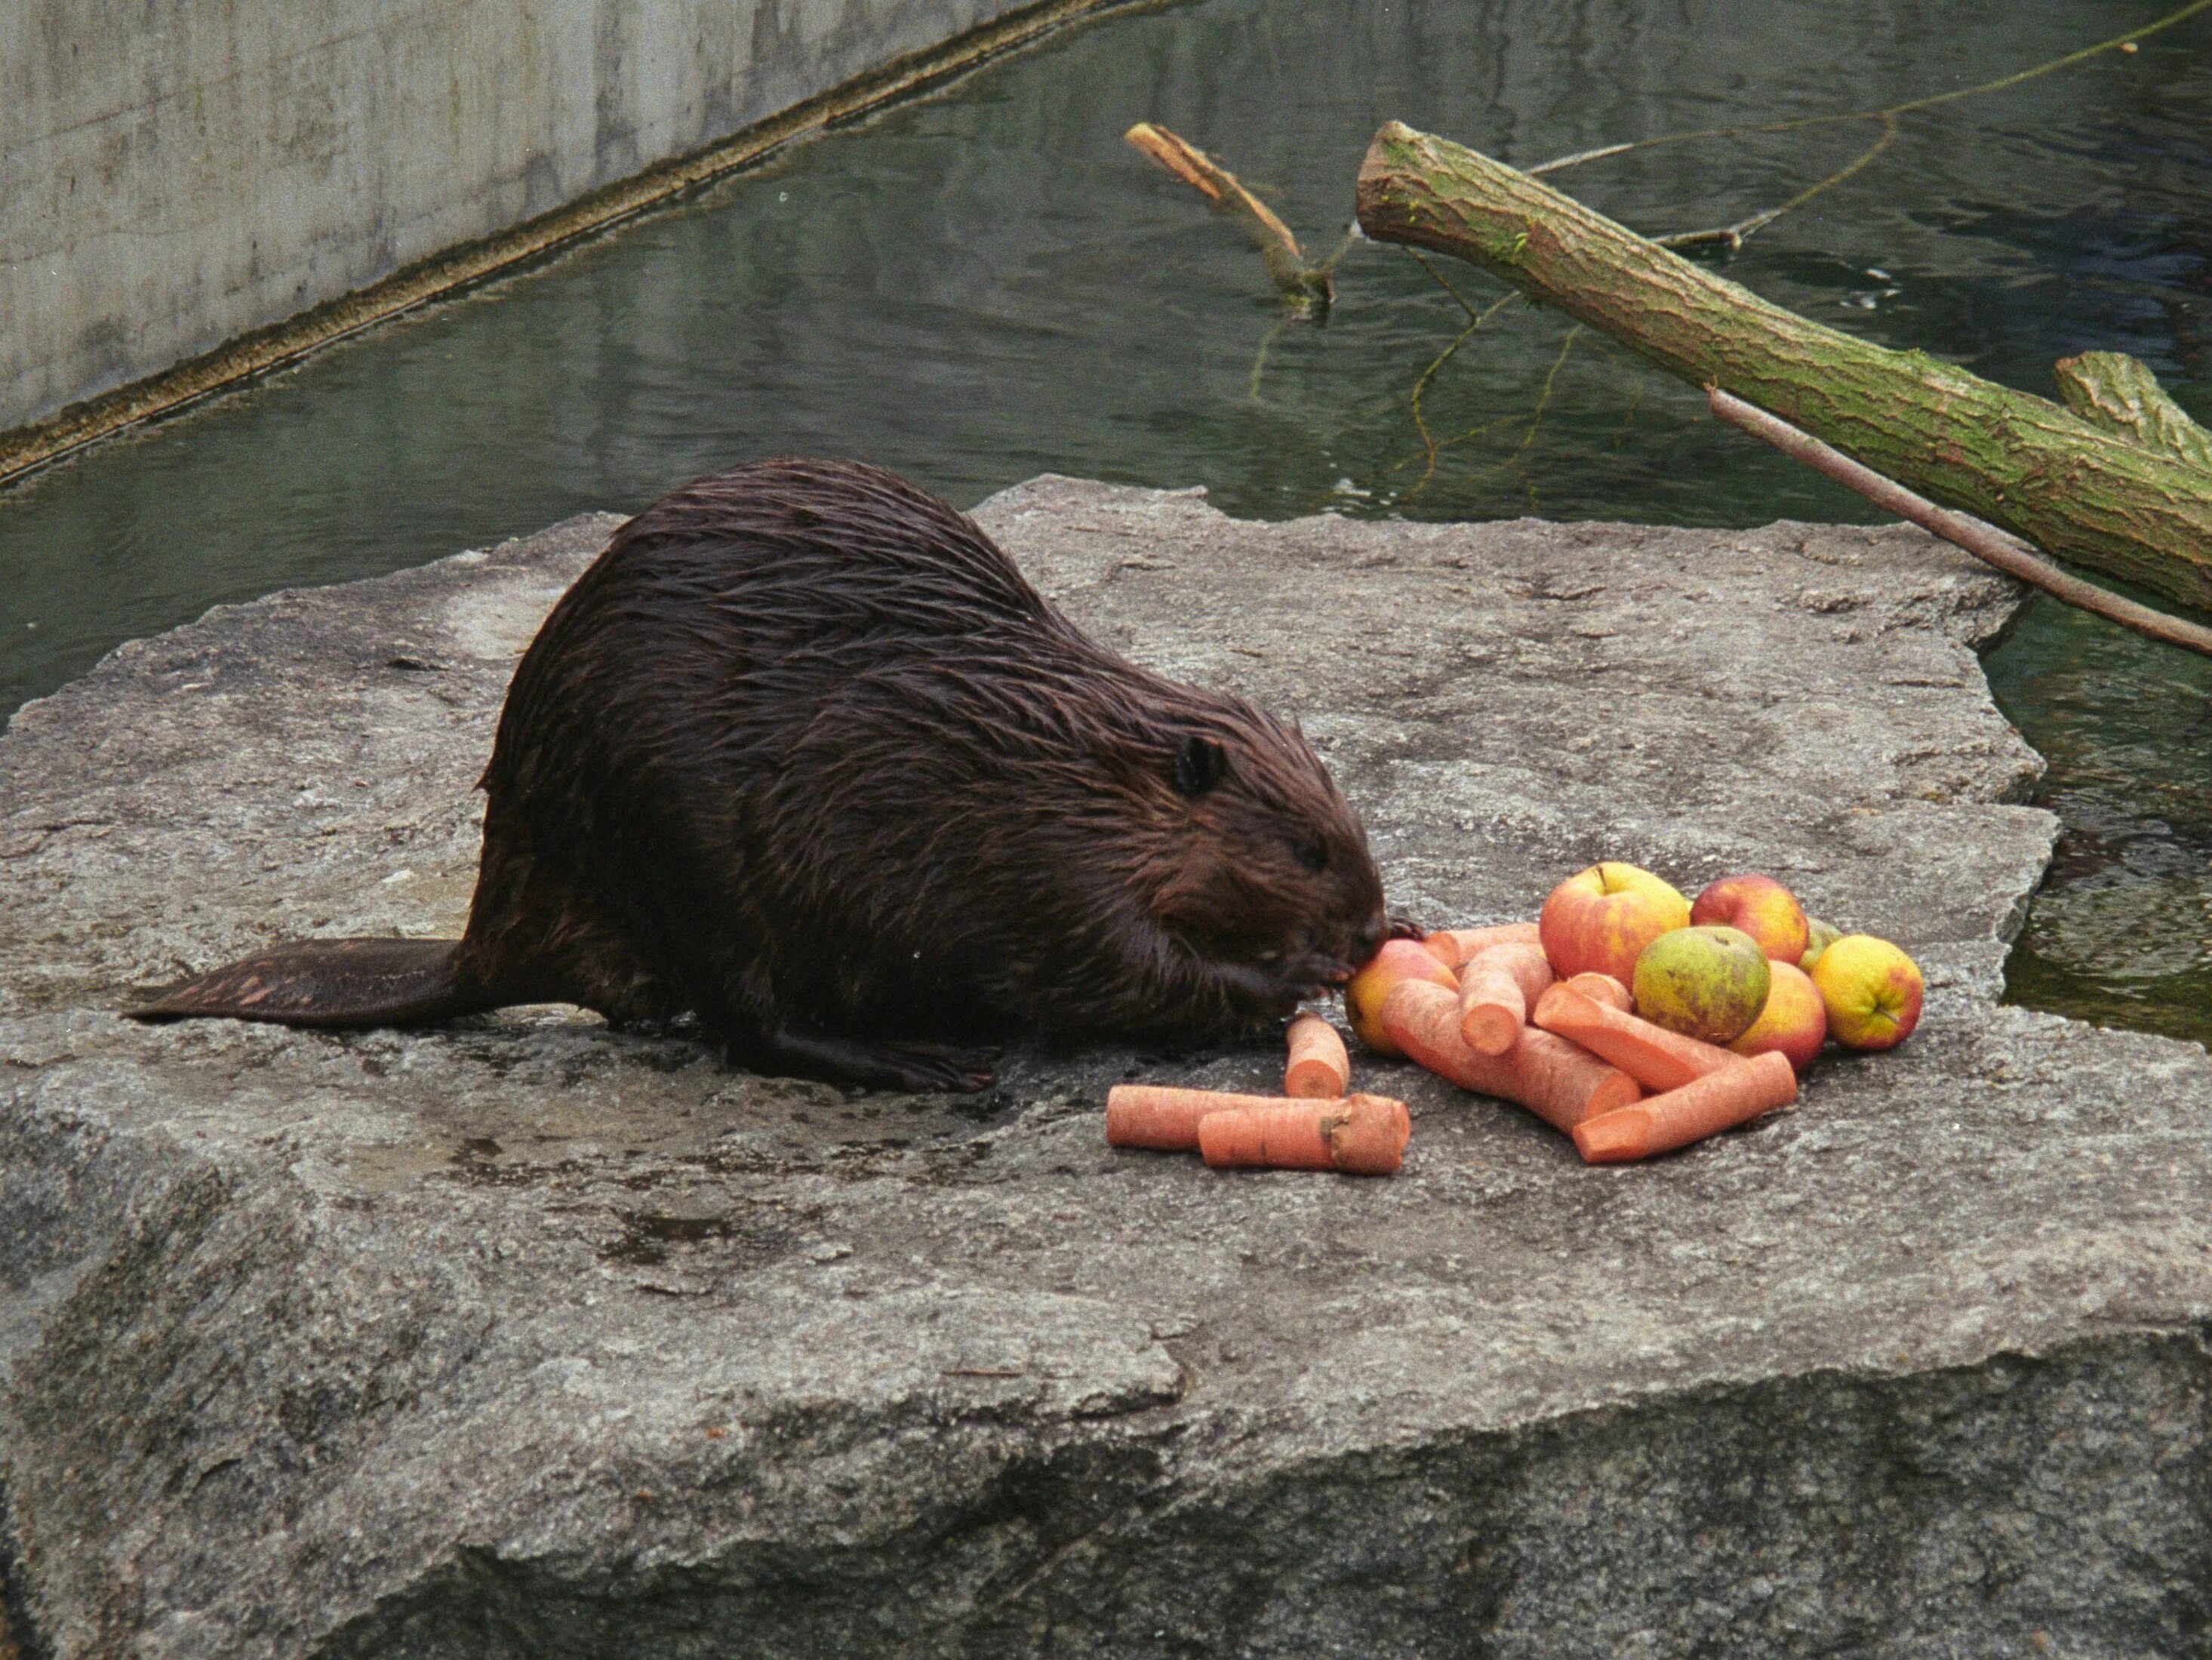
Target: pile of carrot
{"type": "Point", "coordinates": [1571, 1051]}
{"type": "Point", "coordinates": [1568, 1050]}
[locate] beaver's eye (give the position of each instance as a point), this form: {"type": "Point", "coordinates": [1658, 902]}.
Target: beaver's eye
{"type": "Point", "coordinates": [1314, 854]}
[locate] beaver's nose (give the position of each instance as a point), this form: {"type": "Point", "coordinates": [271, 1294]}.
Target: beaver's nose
{"type": "Point", "coordinates": [1369, 940]}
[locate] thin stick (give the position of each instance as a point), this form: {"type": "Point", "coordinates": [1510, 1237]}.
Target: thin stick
{"type": "Point", "coordinates": [1536, 420]}
{"type": "Point", "coordinates": [1475, 320]}
{"type": "Point", "coordinates": [1731, 236]}
{"type": "Point", "coordinates": [1985, 542]}
{"type": "Point", "coordinates": [1260, 359]}
{"type": "Point", "coordinates": [1444, 283]}
{"type": "Point", "coordinates": [1352, 233]}
{"type": "Point", "coordinates": [2157, 26]}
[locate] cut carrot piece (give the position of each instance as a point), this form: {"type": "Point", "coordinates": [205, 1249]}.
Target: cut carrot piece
{"type": "Point", "coordinates": [1453, 946]}
{"type": "Point", "coordinates": [1652, 1056]}
{"type": "Point", "coordinates": [1716, 1102]}
{"type": "Point", "coordinates": [1497, 989]}
{"type": "Point", "coordinates": [1562, 1085]}
{"type": "Point", "coordinates": [1602, 989]}
{"type": "Point", "coordinates": [1318, 1068]}
{"type": "Point", "coordinates": [1360, 1134]}
{"type": "Point", "coordinates": [1161, 1115]}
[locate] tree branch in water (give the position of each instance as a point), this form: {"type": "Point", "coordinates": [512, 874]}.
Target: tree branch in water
{"type": "Point", "coordinates": [2083, 489]}
{"type": "Point", "coordinates": [1305, 286]}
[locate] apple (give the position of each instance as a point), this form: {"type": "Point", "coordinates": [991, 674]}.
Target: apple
{"type": "Point", "coordinates": [1705, 982]}
{"type": "Point", "coordinates": [1872, 989]}
{"type": "Point", "coordinates": [1599, 919]}
{"type": "Point", "coordinates": [1761, 907]}
{"type": "Point", "coordinates": [1795, 1020]}
{"type": "Point", "coordinates": [1818, 936]}
{"type": "Point", "coordinates": [1398, 960]}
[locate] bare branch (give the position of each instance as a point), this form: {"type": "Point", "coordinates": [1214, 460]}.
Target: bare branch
{"type": "Point", "coordinates": [1985, 542]}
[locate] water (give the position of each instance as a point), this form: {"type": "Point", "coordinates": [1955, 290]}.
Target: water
{"type": "Point", "coordinates": [989, 284]}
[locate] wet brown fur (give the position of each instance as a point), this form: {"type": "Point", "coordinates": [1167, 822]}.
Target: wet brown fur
{"type": "Point", "coordinates": [803, 754]}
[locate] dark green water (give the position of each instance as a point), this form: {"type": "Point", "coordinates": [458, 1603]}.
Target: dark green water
{"type": "Point", "coordinates": [989, 284]}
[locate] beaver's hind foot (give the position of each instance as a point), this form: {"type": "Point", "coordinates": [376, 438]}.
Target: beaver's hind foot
{"type": "Point", "coordinates": [914, 1067]}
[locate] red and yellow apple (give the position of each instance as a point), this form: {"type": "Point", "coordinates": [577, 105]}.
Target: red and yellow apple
{"type": "Point", "coordinates": [1761, 907]}
{"type": "Point", "coordinates": [1795, 1020]}
{"type": "Point", "coordinates": [1872, 989]}
{"type": "Point", "coordinates": [1398, 960]}
{"type": "Point", "coordinates": [1599, 919]}
{"type": "Point", "coordinates": [1818, 936]}
{"type": "Point", "coordinates": [1705, 982]}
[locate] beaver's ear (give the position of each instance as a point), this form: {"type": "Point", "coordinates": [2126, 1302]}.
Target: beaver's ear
{"type": "Point", "coordinates": [1200, 764]}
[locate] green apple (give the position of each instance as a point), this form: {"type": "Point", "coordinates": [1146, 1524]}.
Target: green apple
{"type": "Point", "coordinates": [1819, 937]}
{"type": "Point", "coordinates": [1705, 982]}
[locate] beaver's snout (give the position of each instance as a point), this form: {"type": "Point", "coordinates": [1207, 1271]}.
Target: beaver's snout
{"type": "Point", "coordinates": [1305, 976]}
{"type": "Point", "coordinates": [1365, 944]}
{"type": "Point", "coordinates": [1324, 966]}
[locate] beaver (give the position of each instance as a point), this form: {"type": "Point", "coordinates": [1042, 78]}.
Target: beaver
{"type": "Point", "coordinates": [804, 756]}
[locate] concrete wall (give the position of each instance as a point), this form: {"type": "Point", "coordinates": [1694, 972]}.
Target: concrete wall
{"type": "Point", "coordinates": [174, 173]}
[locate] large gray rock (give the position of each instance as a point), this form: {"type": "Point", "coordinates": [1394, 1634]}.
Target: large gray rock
{"type": "Point", "coordinates": [525, 1338]}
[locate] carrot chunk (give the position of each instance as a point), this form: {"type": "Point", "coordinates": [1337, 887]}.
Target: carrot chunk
{"type": "Point", "coordinates": [1562, 1085]}
{"type": "Point", "coordinates": [1453, 946]}
{"type": "Point", "coordinates": [1652, 1056]}
{"type": "Point", "coordinates": [1162, 1115]}
{"type": "Point", "coordinates": [1318, 1069]}
{"type": "Point", "coordinates": [1360, 1134]}
{"type": "Point", "coordinates": [1496, 988]}
{"type": "Point", "coordinates": [1602, 989]}
{"type": "Point", "coordinates": [1705, 1106]}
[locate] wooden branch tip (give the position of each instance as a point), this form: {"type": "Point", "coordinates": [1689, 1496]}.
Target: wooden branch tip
{"type": "Point", "coordinates": [2121, 393]}
{"type": "Point", "coordinates": [1189, 164]}
{"type": "Point", "coordinates": [1303, 284]}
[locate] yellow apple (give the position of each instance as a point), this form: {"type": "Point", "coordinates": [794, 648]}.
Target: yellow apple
{"type": "Point", "coordinates": [1398, 960]}
{"type": "Point", "coordinates": [1795, 1020]}
{"type": "Point", "coordinates": [1872, 989]}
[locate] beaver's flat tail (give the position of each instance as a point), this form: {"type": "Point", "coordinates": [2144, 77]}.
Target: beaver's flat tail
{"type": "Point", "coordinates": [330, 982]}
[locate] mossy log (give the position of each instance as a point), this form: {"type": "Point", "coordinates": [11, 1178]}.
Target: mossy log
{"type": "Point", "coordinates": [2086, 490]}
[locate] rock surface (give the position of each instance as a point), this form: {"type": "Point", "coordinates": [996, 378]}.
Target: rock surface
{"type": "Point", "coordinates": [525, 1338]}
